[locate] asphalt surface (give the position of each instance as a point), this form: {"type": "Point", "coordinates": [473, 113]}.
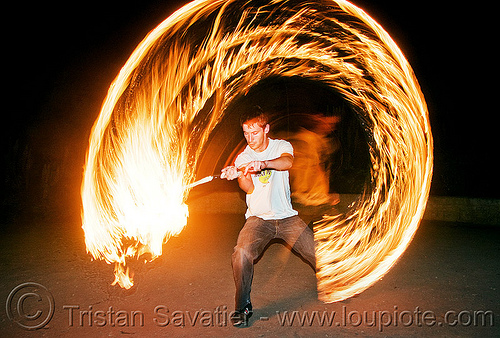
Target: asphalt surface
{"type": "Point", "coordinates": [445, 284]}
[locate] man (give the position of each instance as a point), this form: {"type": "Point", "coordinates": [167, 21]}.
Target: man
{"type": "Point", "coordinates": [262, 172]}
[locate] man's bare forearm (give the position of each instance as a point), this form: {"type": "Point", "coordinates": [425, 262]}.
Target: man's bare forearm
{"type": "Point", "coordinates": [246, 184]}
{"type": "Point", "coordinates": [284, 162]}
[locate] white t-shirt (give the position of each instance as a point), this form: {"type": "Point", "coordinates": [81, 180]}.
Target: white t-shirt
{"type": "Point", "coordinates": [270, 198]}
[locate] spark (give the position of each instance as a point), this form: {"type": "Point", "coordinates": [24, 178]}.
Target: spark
{"type": "Point", "coordinates": [145, 144]}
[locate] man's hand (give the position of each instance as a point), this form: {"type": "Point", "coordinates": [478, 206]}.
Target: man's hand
{"type": "Point", "coordinates": [230, 173]}
{"type": "Point", "coordinates": [284, 162]}
{"type": "Point", "coordinates": [254, 166]}
{"type": "Point", "coordinates": [244, 181]}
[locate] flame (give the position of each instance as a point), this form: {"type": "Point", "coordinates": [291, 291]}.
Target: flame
{"type": "Point", "coordinates": [176, 87]}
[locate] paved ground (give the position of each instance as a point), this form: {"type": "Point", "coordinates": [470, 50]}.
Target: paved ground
{"type": "Point", "coordinates": [446, 284]}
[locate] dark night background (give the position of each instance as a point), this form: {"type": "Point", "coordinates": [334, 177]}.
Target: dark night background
{"type": "Point", "coordinates": [62, 59]}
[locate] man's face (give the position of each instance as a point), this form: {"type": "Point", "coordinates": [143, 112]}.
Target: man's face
{"type": "Point", "coordinates": [256, 135]}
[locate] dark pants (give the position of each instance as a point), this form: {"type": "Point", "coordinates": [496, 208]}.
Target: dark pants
{"type": "Point", "coordinates": [253, 238]}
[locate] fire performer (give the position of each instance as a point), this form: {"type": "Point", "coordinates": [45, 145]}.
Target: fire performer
{"type": "Point", "coordinates": [262, 173]}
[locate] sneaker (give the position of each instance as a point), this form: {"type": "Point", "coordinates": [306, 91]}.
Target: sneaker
{"type": "Point", "coordinates": [240, 317]}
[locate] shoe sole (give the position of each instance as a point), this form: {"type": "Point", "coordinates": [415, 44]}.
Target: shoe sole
{"type": "Point", "coordinates": [243, 322]}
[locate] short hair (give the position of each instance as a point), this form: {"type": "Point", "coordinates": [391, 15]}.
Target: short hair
{"type": "Point", "coordinates": [255, 112]}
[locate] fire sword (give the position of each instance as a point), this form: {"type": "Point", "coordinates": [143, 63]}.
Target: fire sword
{"type": "Point", "coordinates": [208, 179]}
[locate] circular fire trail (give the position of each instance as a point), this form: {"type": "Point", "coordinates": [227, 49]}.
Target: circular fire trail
{"type": "Point", "coordinates": [176, 87]}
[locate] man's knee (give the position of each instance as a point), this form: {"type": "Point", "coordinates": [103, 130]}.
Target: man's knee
{"type": "Point", "coordinates": [241, 254]}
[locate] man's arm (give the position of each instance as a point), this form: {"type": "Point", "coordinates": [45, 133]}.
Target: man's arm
{"type": "Point", "coordinates": [246, 184]}
{"type": "Point", "coordinates": [284, 162]}
{"type": "Point", "coordinates": [244, 180]}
